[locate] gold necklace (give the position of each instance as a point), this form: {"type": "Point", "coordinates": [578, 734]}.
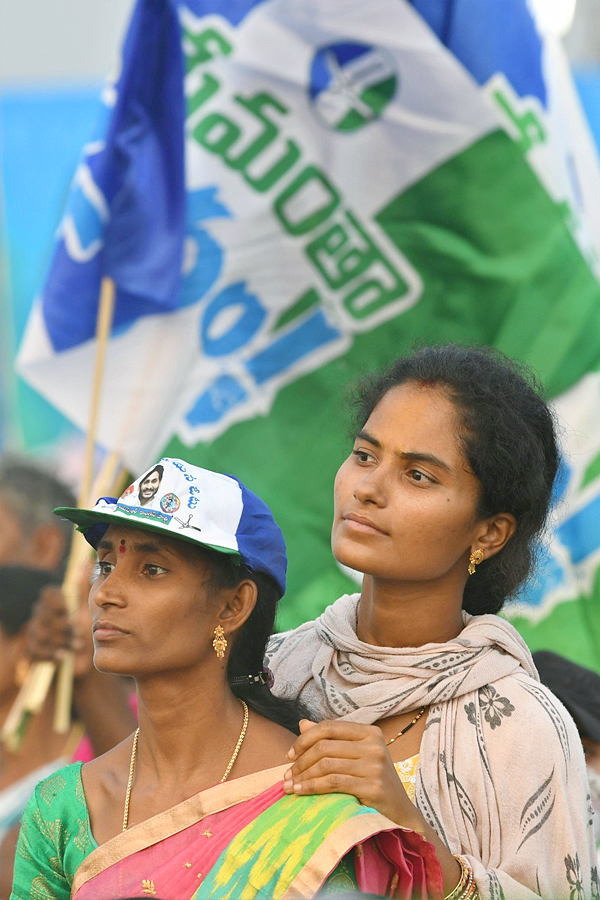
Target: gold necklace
{"type": "Point", "coordinates": [234, 756]}
{"type": "Point", "coordinates": [406, 727]}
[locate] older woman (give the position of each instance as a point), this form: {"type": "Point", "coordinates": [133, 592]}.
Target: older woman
{"type": "Point", "coordinates": [184, 601]}
{"type": "Point", "coordinates": [439, 505]}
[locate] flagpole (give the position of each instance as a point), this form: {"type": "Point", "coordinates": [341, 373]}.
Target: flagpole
{"type": "Point", "coordinates": [64, 688]}
{"type": "Point", "coordinates": [33, 693]}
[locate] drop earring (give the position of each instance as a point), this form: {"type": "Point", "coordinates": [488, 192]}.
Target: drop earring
{"type": "Point", "coordinates": [474, 559]}
{"type": "Point", "coordinates": [219, 642]}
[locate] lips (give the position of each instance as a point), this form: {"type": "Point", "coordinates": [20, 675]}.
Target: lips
{"type": "Point", "coordinates": [359, 523]}
{"type": "Point", "coordinates": [104, 629]}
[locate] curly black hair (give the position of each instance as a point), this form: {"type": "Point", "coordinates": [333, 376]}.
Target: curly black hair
{"type": "Point", "coordinates": [509, 437]}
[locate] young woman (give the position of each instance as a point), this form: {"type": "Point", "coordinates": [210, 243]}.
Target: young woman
{"type": "Point", "coordinates": [184, 602]}
{"type": "Point", "coordinates": [440, 504]}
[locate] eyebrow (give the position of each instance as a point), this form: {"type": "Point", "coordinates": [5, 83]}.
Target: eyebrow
{"type": "Point", "coordinates": [415, 456]}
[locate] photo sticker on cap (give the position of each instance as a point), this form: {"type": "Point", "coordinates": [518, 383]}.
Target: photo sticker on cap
{"type": "Point", "coordinates": [128, 490]}
{"type": "Point", "coordinates": [149, 485]}
{"type": "Point", "coordinates": [170, 503]}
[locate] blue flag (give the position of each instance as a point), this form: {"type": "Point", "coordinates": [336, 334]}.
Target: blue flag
{"type": "Point", "coordinates": [125, 216]}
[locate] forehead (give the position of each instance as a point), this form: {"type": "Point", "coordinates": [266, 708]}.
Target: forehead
{"type": "Point", "coordinates": [417, 418]}
{"type": "Point", "coordinates": [138, 538]}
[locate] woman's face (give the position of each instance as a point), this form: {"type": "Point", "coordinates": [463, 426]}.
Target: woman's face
{"type": "Point", "coordinates": [405, 499]}
{"type": "Point", "coordinates": [149, 605]}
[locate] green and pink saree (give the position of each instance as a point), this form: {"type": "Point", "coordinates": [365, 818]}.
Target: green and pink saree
{"type": "Point", "coordinates": [244, 839]}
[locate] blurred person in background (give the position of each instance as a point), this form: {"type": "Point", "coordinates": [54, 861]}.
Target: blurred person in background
{"type": "Point", "coordinates": [29, 534]}
{"type": "Point", "coordinates": [42, 751]}
{"type": "Point", "coordinates": [37, 542]}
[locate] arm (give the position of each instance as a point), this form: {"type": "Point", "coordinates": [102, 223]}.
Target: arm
{"type": "Point", "coordinates": [540, 840]}
{"type": "Point", "coordinates": [34, 875]}
{"type": "Point", "coordinates": [344, 757]}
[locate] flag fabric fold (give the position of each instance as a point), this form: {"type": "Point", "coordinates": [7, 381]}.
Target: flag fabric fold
{"type": "Point", "coordinates": [126, 212]}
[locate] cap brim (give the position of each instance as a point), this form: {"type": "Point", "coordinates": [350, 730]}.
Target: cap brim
{"type": "Point", "coordinates": [86, 519]}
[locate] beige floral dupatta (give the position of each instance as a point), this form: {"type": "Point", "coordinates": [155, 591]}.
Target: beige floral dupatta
{"type": "Point", "coordinates": [501, 769]}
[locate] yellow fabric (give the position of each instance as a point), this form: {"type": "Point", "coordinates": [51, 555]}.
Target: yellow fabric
{"type": "Point", "coordinates": [407, 771]}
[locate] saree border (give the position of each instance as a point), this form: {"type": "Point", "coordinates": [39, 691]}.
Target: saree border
{"type": "Point", "coordinates": [171, 821]}
{"type": "Point", "coordinates": [335, 846]}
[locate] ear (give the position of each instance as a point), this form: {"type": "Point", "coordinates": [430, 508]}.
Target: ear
{"type": "Point", "coordinates": [48, 544]}
{"type": "Point", "coordinates": [495, 533]}
{"type": "Point", "coordinates": [240, 602]}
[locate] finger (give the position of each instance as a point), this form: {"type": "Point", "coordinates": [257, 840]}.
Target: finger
{"type": "Point", "coordinates": [323, 766]}
{"type": "Point", "coordinates": [325, 749]}
{"type": "Point", "coordinates": [331, 730]}
{"type": "Point", "coordinates": [335, 783]}
{"type": "Point", "coordinates": [306, 725]}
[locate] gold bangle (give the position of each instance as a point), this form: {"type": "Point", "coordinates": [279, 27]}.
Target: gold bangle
{"type": "Point", "coordinates": [465, 882]}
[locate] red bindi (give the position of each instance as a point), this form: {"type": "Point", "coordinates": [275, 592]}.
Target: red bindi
{"type": "Point", "coordinates": [122, 547]}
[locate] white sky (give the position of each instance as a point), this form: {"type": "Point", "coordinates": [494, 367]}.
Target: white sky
{"type": "Point", "coordinates": [76, 41]}
{"type": "Point", "coordinates": [58, 41]}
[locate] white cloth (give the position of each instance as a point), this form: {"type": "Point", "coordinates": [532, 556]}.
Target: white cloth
{"type": "Point", "coordinates": [502, 777]}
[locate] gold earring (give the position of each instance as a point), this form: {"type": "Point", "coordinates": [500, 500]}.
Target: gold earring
{"type": "Point", "coordinates": [219, 642]}
{"type": "Point", "coordinates": [474, 559]}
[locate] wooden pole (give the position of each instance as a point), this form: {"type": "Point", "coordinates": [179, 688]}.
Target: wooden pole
{"type": "Point", "coordinates": [64, 689]}
{"type": "Point", "coordinates": [32, 695]}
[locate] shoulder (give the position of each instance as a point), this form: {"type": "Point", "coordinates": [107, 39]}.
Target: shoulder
{"type": "Point", "coordinates": [60, 789]}
{"type": "Point", "coordinates": [533, 701]}
{"type": "Point", "coordinates": [297, 642]}
{"type": "Point", "coordinates": [519, 715]}
{"type": "Point", "coordinates": [267, 745]}
{"type": "Point", "coordinates": [55, 808]}
{"type": "Point", "coordinates": [285, 640]}
{"type": "Point", "coordinates": [55, 836]}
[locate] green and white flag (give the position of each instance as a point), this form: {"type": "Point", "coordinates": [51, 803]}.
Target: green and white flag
{"type": "Point", "coordinates": [353, 186]}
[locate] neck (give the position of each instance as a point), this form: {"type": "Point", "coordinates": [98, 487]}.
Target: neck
{"type": "Point", "coordinates": [187, 724]}
{"type": "Point", "coordinates": [408, 615]}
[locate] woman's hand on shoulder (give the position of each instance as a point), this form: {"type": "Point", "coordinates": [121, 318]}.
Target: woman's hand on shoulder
{"type": "Point", "coordinates": [347, 758]}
